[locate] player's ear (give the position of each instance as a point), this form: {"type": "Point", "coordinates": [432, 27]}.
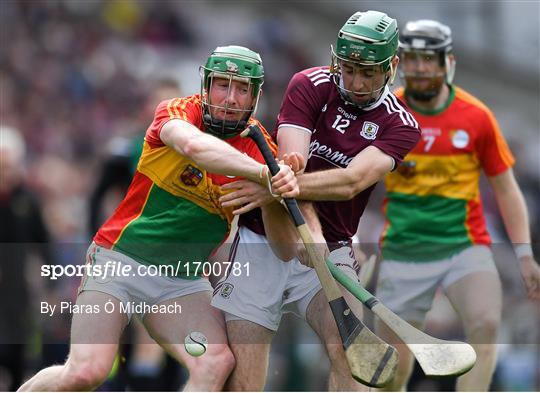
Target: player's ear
{"type": "Point", "coordinates": [393, 69]}
{"type": "Point", "coordinates": [255, 98]}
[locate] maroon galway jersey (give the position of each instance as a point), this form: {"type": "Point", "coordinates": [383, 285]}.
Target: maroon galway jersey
{"type": "Point", "coordinates": [339, 131]}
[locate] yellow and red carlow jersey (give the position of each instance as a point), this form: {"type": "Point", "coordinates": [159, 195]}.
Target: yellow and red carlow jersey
{"type": "Point", "coordinates": [171, 214]}
{"type": "Point", "coordinates": [433, 207]}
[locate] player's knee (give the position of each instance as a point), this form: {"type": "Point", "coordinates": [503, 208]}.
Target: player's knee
{"type": "Point", "coordinates": [227, 360]}
{"type": "Point", "coordinates": [86, 375]}
{"type": "Point", "coordinates": [483, 330]}
{"type": "Point", "coordinates": [217, 364]}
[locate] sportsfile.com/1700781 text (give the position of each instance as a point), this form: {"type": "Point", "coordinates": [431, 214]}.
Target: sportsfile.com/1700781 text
{"type": "Point", "coordinates": [112, 269]}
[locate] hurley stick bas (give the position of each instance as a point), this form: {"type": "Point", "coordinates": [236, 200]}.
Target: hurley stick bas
{"type": "Point", "coordinates": [371, 361]}
{"type": "Point", "coordinates": [438, 358]}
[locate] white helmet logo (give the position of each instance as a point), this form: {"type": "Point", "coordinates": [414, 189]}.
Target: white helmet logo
{"type": "Point", "coordinates": [231, 67]}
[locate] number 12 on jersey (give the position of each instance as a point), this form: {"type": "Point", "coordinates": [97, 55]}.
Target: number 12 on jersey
{"type": "Point", "coordinates": [341, 124]}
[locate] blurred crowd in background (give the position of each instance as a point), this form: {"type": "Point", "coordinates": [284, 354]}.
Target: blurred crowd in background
{"type": "Point", "coordinates": [77, 80]}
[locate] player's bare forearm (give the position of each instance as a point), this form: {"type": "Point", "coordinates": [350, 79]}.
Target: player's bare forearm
{"type": "Point", "coordinates": [310, 215]}
{"type": "Point", "coordinates": [366, 169]}
{"type": "Point", "coordinates": [280, 231]}
{"type": "Point", "coordinates": [516, 221]}
{"type": "Point", "coordinates": [512, 206]}
{"type": "Point", "coordinates": [209, 152]}
{"type": "Point", "coordinates": [331, 185]}
{"type": "Point", "coordinates": [291, 140]}
{"type": "Point", "coordinates": [312, 220]}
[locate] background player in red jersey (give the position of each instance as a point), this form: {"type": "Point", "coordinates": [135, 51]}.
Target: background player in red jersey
{"type": "Point", "coordinates": [170, 216]}
{"type": "Point", "coordinates": [435, 232]}
{"type": "Point", "coordinates": [354, 130]}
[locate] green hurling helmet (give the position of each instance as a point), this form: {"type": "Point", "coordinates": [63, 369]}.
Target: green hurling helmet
{"type": "Point", "coordinates": [232, 63]}
{"type": "Point", "coordinates": [367, 39]}
{"type": "Point", "coordinates": [423, 38]}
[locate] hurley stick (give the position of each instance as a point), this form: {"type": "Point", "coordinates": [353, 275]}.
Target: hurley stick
{"type": "Point", "coordinates": [371, 361]}
{"type": "Point", "coordinates": [438, 358]}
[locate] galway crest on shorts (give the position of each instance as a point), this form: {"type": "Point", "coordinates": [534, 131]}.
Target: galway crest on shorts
{"type": "Point", "coordinates": [226, 290]}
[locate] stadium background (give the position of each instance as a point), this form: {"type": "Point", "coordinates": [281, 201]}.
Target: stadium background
{"type": "Point", "coordinates": [74, 76]}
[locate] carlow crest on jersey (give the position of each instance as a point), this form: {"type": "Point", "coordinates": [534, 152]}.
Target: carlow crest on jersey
{"type": "Point", "coordinates": [369, 130]}
{"type": "Point", "coordinates": [191, 176]}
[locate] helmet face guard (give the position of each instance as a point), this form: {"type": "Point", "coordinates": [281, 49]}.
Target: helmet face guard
{"type": "Point", "coordinates": [372, 89]}
{"type": "Point", "coordinates": [366, 44]}
{"type": "Point", "coordinates": [426, 41]}
{"type": "Point", "coordinates": [224, 66]}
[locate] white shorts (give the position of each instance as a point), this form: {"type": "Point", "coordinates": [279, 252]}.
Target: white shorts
{"type": "Point", "coordinates": [137, 286]}
{"type": "Point", "coordinates": [408, 288]}
{"type": "Point", "coordinates": [273, 287]}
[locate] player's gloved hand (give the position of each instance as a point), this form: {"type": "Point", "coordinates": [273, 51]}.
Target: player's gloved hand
{"type": "Point", "coordinates": [530, 272]}
{"type": "Point", "coordinates": [246, 195]}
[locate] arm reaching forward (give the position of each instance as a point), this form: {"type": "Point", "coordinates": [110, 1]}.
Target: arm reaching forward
{"type": "Point", "coordinates": [219, 157]}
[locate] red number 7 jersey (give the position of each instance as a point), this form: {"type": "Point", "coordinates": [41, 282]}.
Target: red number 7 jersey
{"type": "Point", "coordinates": [433, 207]}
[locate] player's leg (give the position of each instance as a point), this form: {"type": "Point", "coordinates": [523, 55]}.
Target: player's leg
{"type": "Point", "coordinates": [313, 306]}
{"type": "Point", "coordinates": [94, 343]}
{"type": "Point", "coordinates": [251, 300]}
{"type": "Point", "coordinates": [250, 344]}
{"type": "Point", "coordinates": [474, 289]}
{"type": "Point", "coordinates": [146, 361]}
{"type": "Point", "coordinates": [408, 289]}
{"type": "Point", "coordinates": [210, 371]}
{"type": "Point", "coordinates": [320, 318]}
